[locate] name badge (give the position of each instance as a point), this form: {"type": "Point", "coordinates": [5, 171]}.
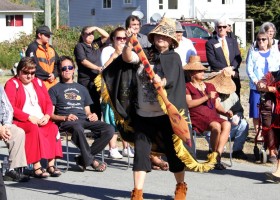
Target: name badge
{"type": "Point", "coordinates": [217, 45]}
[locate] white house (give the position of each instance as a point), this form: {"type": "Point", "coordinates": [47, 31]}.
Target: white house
{"type": "Point", "coordinates": [15, 19]}
{"type": "Point", "coordinates": [105, 12]}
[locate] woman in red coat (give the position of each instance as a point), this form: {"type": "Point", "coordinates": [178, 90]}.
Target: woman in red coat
{"type": "Point", "coordinates": [32, 110]}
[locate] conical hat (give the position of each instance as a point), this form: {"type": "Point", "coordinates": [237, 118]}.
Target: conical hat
{"type": "Point", "coordinates": [223, 82]}
{"type": "Point", "coordinates": [194, 64]}
{"type": "Point", "coordinates": [167, 28]}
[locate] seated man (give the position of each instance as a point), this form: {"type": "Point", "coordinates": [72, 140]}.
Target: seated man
{"type": "Point", "coordinates": [14, 137]}
{"type": "Point", "coordinates": [230, 102]}
{"type": "Point", "coordinates": [71, 110]}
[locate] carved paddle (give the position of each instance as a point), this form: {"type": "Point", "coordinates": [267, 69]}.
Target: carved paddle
{"type": "Point", "coordinates": [179, 124]}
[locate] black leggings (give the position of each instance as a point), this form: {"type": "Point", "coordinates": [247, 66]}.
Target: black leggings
{"type": "Point", "coordinates": [156, 130]}
{"type": "Point", "coordinates": [95, 96]}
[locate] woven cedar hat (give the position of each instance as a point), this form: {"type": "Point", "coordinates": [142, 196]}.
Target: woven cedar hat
{"type": "Point", "coordinates": [166, 27]}
{"type": "Point", "coordinates": [222, 81]}
{"type": "Point", "coordinates": [194, 64]}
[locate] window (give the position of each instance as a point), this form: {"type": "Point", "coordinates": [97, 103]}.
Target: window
{"type": "Point", "coordinates": [127, 1]}
{"type": "Point", "coordinates": [14, 20]}
{"type": "Point", "coordinates": [198, 32]}
{"type": "Point", "coordinates": [160, 4]}
{"type": "Point", "coordinates": [172, 4]}
{"type": "Point", "coordinates": [223, 2]}
{"type": "Point", "coordinates": [107, 4]}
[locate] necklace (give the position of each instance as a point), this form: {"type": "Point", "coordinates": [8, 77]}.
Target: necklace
{"type": "Point", "coordinates": [29, 90]}
{"type": "Point", "coordinates": [203, 92]}
{"type": "Point", "coordinates": [201, 86]}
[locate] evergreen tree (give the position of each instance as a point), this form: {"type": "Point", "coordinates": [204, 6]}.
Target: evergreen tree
{"type": "Point", "coordinates": [264, 11]}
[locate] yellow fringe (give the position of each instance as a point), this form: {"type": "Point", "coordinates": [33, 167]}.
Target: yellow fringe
{"type": "Point", "coordinates": [161, 103]}
{"type": "Point", "coordinates": [181, 151]}
{"type": "Point", "coordinates": [102, 88]}
{"type": "Point", "coordinates": [191, 164]}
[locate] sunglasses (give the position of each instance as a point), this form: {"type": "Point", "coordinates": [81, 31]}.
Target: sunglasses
{"type": "Point", "coordinates": [261, 39]}
{"type": "Point", "coordinates": [27, 72]}
{"type": "Point", "coordinates": [120, 38]}
{"type": "Point", "coordinates": [88, 34]}
{"type": "Point", "coordinates": [224, 27]}
{"type": "Point", "coordinates": [64, 68]}
{"type": "Point", "coordinates": [47, 35]}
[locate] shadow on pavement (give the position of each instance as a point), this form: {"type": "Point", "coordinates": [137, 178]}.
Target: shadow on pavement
{"type": "Point", "coordinates": [258, 176]}
{"type": "Point", "coordinates": [68, 190]}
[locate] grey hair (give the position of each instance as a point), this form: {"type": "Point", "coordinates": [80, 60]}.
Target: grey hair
{"type": "Point", "coordinates": [266, 25]}
{"type": "Point", "coordinates": [221, 21]}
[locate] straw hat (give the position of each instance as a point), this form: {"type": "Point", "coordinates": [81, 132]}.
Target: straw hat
{"type": "Point", "coordinates": [194, 64]}
{"type": "Point", "coordinates": [166, 27]}
{"type": "Point", "coordinates": [222, 81]}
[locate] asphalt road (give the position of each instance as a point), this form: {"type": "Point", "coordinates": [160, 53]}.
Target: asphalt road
{"type": "Point", "coordinates": [243, 180]}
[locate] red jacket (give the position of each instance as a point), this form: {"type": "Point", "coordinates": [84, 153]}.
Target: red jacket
{"type": "Point", "coordinates": [15, 92]}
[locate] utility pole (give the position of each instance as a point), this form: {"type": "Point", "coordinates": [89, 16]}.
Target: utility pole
{"type": "Point", "coordinates": [48, 16]}
{"type": "Point", "coordinates": [57, 14]}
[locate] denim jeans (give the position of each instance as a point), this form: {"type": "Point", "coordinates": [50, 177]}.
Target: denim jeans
{"type": "Point", "coordinates": [239, 134]}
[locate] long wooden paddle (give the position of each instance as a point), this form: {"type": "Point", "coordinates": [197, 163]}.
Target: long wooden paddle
{"type": "Point", "coordinates": [179, 124]}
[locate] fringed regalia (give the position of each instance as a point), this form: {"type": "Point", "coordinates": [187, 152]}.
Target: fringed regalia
{"type": "Point", "coordinates": [118, 86]}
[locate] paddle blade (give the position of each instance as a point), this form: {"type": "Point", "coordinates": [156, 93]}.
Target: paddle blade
{"type": "Point", "coordinates": [179, 124]}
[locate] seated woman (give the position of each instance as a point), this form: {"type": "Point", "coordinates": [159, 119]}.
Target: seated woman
{"type": "Point", "coordinates": [204, 108]}
{"type": "Point", "coordinates": [32, 110]}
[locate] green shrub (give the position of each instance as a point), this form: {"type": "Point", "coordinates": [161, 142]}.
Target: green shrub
{"type": "Point", "coordinates": [63, 41]}
{"type": "Point", "coordinates": [10, 52]}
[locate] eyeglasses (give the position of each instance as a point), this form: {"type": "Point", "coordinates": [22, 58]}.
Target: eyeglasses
{"type": "Point", "coordinates": [64, 68]}
{"type": "Point", "coordinates": [88, 34]}
{"type": "Point", "coordinates": [224, 27]}
{"type": "Point", "coordinates": [27, 72]}
{"type": "Point", "coordinates": [261, 39]}
{"type": "Point", "coordinates": [120, 38]}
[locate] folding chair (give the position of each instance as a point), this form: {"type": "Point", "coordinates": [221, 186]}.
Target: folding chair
{"type": "Point", "coordinates": [66, 133]}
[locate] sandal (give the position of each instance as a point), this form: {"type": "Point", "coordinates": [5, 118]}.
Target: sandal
{"type": "Point", "coordinates": [55, 172]}
{"type": "Point", "coordinates": [162, 165]}
{"type": "Point", "coordinates": [159, 164]}
{"type": "Point", "coordinates": [43, 173]}
{"type": "Point", "coordinates": [101, 167]}
{"type": "Point", "coordinates": [219, 166]}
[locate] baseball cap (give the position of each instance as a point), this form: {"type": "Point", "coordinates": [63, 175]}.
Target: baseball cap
{"type": "Point", "coordinates": [43, 30]}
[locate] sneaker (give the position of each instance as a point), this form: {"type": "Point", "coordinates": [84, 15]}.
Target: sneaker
{"type": "Point", "coordinates": [272, 159]}
{"type": "Point", "coordinates": [115, 154]}
{"type": "Point", "coordinates": [239, 155]}
{"type": "Point", "coordinates": [128, 152]}
{"type": "Point", "coordinates": [13, 175]}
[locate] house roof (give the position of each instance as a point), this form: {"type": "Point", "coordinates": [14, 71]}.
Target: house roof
{"type": "Point", "coordinates": [7, 7]}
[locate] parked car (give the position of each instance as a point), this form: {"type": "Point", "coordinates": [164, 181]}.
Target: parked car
{"type": "Point", "coordinates": [195, 32]}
